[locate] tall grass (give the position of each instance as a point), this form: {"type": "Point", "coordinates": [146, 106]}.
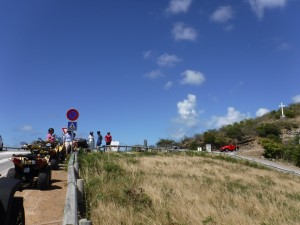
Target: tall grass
{"type": "Point", "coordinates": [186, 188]}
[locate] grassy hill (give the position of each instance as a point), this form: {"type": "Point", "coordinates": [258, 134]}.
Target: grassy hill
{"type": "Point", "coordinates": [186, 188]}
{"type": "Point", "coordinates": [270, 135]}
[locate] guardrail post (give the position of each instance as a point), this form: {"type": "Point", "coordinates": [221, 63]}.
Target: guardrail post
{"type": "Point", "coordinates": [85, 222]}
{"type": "Point", "coordinates": [71, 211]}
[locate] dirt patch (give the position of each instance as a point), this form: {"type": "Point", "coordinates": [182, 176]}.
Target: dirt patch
{"type": "Point", "coordinates": [252, 149]}
{"type": "Point", "coordinates": [46, 207]}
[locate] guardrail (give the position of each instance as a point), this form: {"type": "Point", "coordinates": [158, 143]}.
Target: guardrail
{"type": "Point", "coordinates": [74, 194]}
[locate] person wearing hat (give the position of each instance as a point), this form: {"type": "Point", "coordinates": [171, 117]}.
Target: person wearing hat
{"type": "Point", "coordinates": [50, 136]}
{"type": "Point", "coordinates": [99, 140]}
{"type": "Point", "coordinates": [91, 141]}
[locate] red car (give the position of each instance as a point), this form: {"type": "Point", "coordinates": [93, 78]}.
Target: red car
{"type": "Point", "coordinates": [229, 148]}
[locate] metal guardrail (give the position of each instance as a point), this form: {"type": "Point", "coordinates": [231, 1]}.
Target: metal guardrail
{"type": "Point", "coordinates": [74, 194]}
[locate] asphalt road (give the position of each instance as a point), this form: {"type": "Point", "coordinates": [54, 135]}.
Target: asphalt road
{"type": "Point", "coordinates": [5, 162]}
{"type": "Point", "coordinates": [278, 166]}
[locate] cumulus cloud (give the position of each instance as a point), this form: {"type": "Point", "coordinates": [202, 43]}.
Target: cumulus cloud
{"type": "Point", "coordinates": [261, 112]}
{"type": "Point", "coordinates": [167, 60]}
{"type": "Point", "coordinates": [192, 77]}
{"type": "Point", "coordinates": [26, 128]}
{"type": "Point", "coordinates": [259, 6]}
{"type": "Point", "coordinates": [186, 110]}
{"type": "Point", "coordinates": [168, 85]}
{"type": "Point", "coordinates": [222, 14]}
{"type": "Point", "coordinates": [231, 117]}
{"type": "Point", "coordinates": [187, 119]}
{"type": "Point", "coordinates": [296, 99]}
{"type": "Point", "coordinates": [178, 6]}
{"type": "Point", "coordinates": [154, 74]}
{"type": "Point", "coordinates": [181, 31]}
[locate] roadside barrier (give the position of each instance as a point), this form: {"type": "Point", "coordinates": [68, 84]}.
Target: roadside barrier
{"type": "Point", "coordinates": [74, 194]}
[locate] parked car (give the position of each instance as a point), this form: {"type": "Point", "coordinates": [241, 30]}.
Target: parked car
{"type": "Point", "coordinates": [229, 148]}
{"type": "Point", "coordinates": [1, 143]}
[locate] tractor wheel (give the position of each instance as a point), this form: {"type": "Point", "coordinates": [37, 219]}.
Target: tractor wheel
{"type": "Point", "coordinates": [44, 180]}
{"type": "Point", "coordinates": [17, 216]}
{"type": "Point", "coordinates": [11, 173]}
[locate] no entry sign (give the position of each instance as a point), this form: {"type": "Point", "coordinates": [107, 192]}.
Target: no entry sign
{"type": "Point", "coordinates": [72, 114]}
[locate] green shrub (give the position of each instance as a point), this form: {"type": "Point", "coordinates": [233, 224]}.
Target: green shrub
{"type": "Point", "coordinates": [272, 148]}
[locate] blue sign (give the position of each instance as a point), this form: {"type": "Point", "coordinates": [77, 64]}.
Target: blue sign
{"type": "Point", "coordinates": [72, 126]}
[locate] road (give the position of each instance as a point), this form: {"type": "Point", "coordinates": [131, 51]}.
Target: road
{"type": "Point", "coordinates": [283, 167]}
{"type": "Point", "coordinates": [5, 163]}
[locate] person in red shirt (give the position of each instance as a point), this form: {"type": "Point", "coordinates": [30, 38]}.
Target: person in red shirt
{"type": "Point", "coordinates": [108, 138]}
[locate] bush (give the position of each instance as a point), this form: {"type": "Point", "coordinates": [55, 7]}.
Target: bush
{"type": "Point", "coordinates": [268, 129]}
{"type": "Point", "coordinates": [272, 148]}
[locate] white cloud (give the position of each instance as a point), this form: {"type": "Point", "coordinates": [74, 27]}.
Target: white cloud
{"type": "Point", "coordinates": [259, 6]}
{"type": "Point", "coordinates": [154, 74]}
{"type": "Point", "coordinates": [26, 128]}
{"type": "Point", "coordinates": [296, 99]}
{"type": "Point", "coordinates": [192, 77]}
{"type": "Point", "coordinates": [222, 14]}
{"type": "Point", "coordinates": [261, 112]}
{"type": "Point", "coordinates": [167, 60]}
{"type": "Point", "coordinates": [147, 54]}
{"type": "Point", "coordinates": [181, 31]}
{"type": "Point", "coordinates": [168, 85]}
{"type": "Point", "coordinates": [186, 109]}
{"type": "Point", "coordinates": [187, 120]}
{"type": "Point", "coordinates": [231, 117]}
{"type": "Point", "coordinates": [178, 6]}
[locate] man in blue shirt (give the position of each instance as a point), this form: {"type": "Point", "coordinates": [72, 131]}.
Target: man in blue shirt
{"type": "Point", "coordinates": [68, 140]}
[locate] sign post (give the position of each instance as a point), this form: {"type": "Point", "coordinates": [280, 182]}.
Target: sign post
{"type": "Point", "coordinates": [72, 115]}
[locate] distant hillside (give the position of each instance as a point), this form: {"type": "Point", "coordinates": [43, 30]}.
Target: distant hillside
{"type": "Point", "coordinates": [269, 131]}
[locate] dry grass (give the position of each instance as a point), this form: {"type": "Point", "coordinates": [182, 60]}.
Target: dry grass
{"type": "Point", "coordinates": [184, 189]}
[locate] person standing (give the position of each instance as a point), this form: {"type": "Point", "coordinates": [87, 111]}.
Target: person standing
{"type": "Point", "coordinates": [68, 140]}
{"type": "Point", "coordinates": [99, 140]}
{"type": "Point", "coordinates": [91, 141]}
{"type": "Point", "coordinates": [108, 139]}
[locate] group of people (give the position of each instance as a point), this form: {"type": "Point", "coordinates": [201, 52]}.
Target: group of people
{"type": "Point", "coordinates": [70, 143]}
{"type": "Point", "coordinates": [91, 140]}
{"type": "Point", "coordinates": [68, 139]}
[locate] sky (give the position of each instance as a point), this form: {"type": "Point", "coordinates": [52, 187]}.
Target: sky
{"type": "Point", "coordinates": [142, 69]}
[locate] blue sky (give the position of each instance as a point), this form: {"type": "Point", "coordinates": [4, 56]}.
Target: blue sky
{"type": "Point", "coordinates": [144, 69]}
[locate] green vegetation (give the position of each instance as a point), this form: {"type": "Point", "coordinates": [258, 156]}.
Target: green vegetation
{"type": "Point", "coordinates": [270, 131]}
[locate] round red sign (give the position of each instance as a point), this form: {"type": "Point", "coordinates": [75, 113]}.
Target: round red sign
{"type": "Point", "coordinates": [72, 114]}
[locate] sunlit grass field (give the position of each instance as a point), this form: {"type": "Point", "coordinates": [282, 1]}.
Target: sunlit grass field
{"type": "Point", "coordinates": [187, 188]}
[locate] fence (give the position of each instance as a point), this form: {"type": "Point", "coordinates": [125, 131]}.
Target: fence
{"type": "Point", "coordinates": [75, 194]}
